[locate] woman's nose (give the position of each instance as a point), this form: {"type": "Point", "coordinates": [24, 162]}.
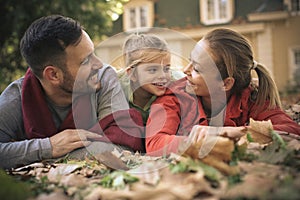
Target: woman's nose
{"type": "Point", "coordinates": [187, 69]}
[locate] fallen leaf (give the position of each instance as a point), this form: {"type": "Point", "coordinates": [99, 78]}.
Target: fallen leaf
{"type": "Point", "coordinates": [111, 161]}
{"type": "Point", "coordinates": [260, 131]}
{"type": "Point", "coordinates": [60, 170]}
{"type": "Point", "coordinates": [221, 149]}
{"type": "Point", "coordinates": [73, 180]}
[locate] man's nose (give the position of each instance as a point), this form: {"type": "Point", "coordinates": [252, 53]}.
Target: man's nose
{"type": "Point", "coordinates": [98, 64]}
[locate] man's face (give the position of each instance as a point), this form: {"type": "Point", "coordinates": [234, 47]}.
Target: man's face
{"type": "Point", "coordinates": [81, 74]}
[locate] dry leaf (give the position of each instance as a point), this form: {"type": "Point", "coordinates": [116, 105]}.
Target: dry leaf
{"type": "Point", "coordinates": [220, 150]}
{"type": "Point", "coordinates": [259, 182]}
{"type": "Point", "coordinates": [58, 194]}
{"type": "Point", "coordinates": [111, 161]}
{"type": "Point", "coordinates": [260, 131]}
{"type": "Point", "coordinates": [73, 180]}
{"type": "Point", "coordinates": [148, 172]}
{"type": "Point", "coordinates": [55, 174]}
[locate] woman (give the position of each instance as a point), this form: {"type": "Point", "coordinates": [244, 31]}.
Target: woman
{"type": "Point", "coordinates": [216, 92]}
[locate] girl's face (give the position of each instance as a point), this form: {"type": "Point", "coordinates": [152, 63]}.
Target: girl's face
{"type": "Point", "coordinates": [153, 77]}
{"type": "Point", "coordinates": [202, 74]}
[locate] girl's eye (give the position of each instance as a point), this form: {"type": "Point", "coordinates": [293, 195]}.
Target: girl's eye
{"type": "Point", "coordinates": [166, 69]}
{"type": "Point", "coordinates": [152, 70]}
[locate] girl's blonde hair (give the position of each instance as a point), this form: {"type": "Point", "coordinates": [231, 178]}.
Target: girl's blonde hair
{"type": "Point", "coordinates": [234, 58]}
{"type": "Point", "coordinates": [139, 48]}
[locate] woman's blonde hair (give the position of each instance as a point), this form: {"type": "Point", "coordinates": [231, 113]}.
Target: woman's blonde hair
{"type": "Point", "coordinates": [234, 58]}
{"type": "Point", "coordinates": [140, 48]}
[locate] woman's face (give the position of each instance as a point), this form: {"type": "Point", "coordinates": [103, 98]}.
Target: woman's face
{"type": "Point", "coordinates": [153, 77]}
{"type": "Point", "coordinates": [203, 76]}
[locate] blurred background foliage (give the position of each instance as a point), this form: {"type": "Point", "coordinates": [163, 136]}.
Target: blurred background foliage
{"type": "Point", "coordinates": [95, 15]}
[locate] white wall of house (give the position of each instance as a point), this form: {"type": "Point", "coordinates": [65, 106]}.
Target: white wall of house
{"type": "Point", "coordinates": [265, 48]}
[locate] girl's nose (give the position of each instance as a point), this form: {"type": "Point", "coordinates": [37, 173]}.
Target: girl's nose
{"type": "Point", "coordinates": [162, 74]}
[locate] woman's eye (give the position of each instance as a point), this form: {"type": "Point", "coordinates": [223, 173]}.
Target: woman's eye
{"type": "Point", "coordinates": [195, 69]}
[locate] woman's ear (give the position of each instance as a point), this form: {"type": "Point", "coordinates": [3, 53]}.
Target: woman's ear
{"type": "Point", "coordinates": [52, 74]}
{"type": "Point", "coordinates": [228, 83]}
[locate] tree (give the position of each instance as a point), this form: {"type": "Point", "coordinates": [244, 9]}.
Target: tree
{"type": "Point", "coordinates": [16, 16]}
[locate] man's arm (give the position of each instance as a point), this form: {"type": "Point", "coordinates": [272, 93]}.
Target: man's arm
{"type": "Point", "coordinates": [15, 150]}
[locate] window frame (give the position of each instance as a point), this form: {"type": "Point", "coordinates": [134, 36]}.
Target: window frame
{"type": "Point", "coordinates": [137, 6]}
{"type": "Point", "coordinates": [292, 65]}
{"type": "Point", "coordinates": [291, 6]}
{"type": "Point", "coordinates": [204, 12]}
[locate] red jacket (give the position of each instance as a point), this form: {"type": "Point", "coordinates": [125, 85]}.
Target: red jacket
{"type": "Point", "coordinates": [174, 114]}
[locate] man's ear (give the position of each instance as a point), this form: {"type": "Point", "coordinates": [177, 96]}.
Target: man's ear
{"type": "Point", "coordinates": [228, 83]}
{"type": "Point", "coordinates": [131, 73]}
{"type": "Point", "coordinates": [52, 74]}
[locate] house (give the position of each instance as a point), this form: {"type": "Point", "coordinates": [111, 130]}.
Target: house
{"type": "Point", "coordinates": [272, 27]}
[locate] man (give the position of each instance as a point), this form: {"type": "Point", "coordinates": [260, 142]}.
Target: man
{"type": "Point", "coordinates": [66, 100]}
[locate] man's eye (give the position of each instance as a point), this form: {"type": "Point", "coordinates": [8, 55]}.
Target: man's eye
{"type": "Point", "coordinates": [86, 61]}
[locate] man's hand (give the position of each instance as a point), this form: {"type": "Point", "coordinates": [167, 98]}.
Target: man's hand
{"type": "Point", "coordinates": [71, 139]}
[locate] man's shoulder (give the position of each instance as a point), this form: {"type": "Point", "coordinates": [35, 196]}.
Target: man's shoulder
{"type": "Point", "coordinates": [14, 88]}
{"type": "Point", "coordinates": [107, 71]}
{"type": "Point", "coordinates": [12, 94]}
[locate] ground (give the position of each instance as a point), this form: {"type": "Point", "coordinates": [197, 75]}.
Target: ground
{"type": "Point", "coordinates": [245, 170]}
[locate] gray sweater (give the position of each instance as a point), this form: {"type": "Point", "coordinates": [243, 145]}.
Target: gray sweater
{"type": "Point", "coordinates": [17, 150]}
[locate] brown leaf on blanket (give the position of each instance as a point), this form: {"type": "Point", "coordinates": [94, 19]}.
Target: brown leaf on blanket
{"type": "Point", "coordinates": [260, 131]}
{"type": "Point", "coordinates": [215, 151]}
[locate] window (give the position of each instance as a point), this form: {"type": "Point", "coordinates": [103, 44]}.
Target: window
{"type": "Point", "coordinates": [293, 6]}
{"type": "Point", "coordinates": [297, 57]}
{"type": "Point", "coordinates": [295, 65]}
{"type": "Point", "coordinates": [138, 14]}
{"type": "Point", "coordinates": [216, 11]}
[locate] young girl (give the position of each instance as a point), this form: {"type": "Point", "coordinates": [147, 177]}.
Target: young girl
{"type": "Point", "coordinates": [217, 92]}
{"type": "Point", "coordinates": [147, 73]}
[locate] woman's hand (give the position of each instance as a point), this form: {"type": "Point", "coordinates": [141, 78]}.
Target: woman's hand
{"type": "Point", "coordinates": [199, 132]}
